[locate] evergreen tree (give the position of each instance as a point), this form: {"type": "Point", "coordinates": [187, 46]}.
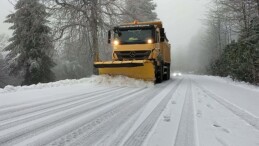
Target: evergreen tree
{"type": "Point", "coordinates": [31, 44]}
{"type": "Point", "coordinates": [141, 10]}
{"type": "Point", "coordinates": [240, 60]}
{"type": "Point", "coordinates": [2, 74]}
{"type": "Point", "coordinates": [3, 41]}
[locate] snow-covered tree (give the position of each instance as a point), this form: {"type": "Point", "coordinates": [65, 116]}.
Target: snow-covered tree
{"type": "Point", "coordinates": [4, 79]}
{"type": "Point", "coordinates": [3, 41]}
{"type": "Point", "coordinates": [72, 60]}
{"type": "Point", "coordinates": [83, 24]}
{"type": "Point", "coordinates": [141, 10]}
{"type": "Point", "coordinates": [232, 39]}
{"type": "Point", "coordinates": [31, 45]}
{"type": "Point", "coordinates": [82, 28]}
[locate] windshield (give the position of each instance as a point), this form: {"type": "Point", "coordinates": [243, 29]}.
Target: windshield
{"type": "Point", "coordinates": [133, 36]}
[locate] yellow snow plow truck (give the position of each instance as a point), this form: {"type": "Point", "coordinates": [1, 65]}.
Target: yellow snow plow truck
{"type": "Point", "coordinates": [140, 50]}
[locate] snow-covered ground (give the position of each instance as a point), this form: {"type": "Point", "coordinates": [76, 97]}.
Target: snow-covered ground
{"type": "Point", "coordinates": [185, 111]}
{"type": "Point", "coordinates": [103, 80]}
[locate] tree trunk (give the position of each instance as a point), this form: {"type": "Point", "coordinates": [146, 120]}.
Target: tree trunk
{"type": "Point", "coordinates": [94, 31]}
{"type": "Point", "coordinates": [219, 37]}
{"type": "Point", "coordinates": [245, 19]}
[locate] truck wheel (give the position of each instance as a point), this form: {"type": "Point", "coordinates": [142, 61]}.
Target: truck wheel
{"type": "Point", "coordinates": [159, 74]}
{"type": "Point", "coordinates": [169, 72]}
{"type": "Point", "coordinates": [165, 75]}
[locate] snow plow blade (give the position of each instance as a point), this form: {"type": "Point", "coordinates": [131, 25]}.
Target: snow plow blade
{"type": "Point", "coordinates": [138, 69]}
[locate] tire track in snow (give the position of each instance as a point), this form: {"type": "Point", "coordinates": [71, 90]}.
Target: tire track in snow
{"type": "Point", "coordinates": [140, 134]}
{"type": "Point", "coordinates": [219, 125]}
{"type": "Point", "coordinates": [15, 111]}
{"type": "Point", "coordinates": [15, 107]}
{"type": "Point", "coordinates": [125, 112]}
{"type": "Point", "coordinates": [114, 138]}
{"type": "Point", "coordinates": [187, 129]}
{"type": "Point", "coordinates": [54, 109]}
{"type": "Point", "coordinates": [39, 127]}
{"type": "Point", "coordinates": [243, 114]}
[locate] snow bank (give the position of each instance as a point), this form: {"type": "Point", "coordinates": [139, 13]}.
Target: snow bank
{"type": "Point", "coordinates": [104, 80]}
{"type": "Point", "coordinates": [120, 81]}
{"type": "Point", "coordinates": [229, 80]}
{"type": "Point", "coordinates": [242, 113]}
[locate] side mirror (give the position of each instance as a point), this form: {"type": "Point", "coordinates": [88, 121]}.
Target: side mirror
{"type": "Point", "coordinates": [162, 34]}
{"type": "Point", "coordinates": [109, 37]}
{"type": "Point", "coordinates": [162, 39]}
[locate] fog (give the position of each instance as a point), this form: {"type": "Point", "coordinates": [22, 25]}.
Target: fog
{"type": "Point", "coordinates": [5, 8]}
{"type": "Point", "coordinates": [182, 20]}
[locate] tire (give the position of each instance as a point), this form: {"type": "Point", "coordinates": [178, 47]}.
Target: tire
{"type": "Point", "coordinates": [159, 74]}
{"type": "Point", "coordinates": [169, 72]}
{"type": "Point", "coordinates": [165, 76]}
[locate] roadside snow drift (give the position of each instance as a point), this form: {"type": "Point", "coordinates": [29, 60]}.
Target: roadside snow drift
{"type": "Point", "coordinates": [103, 80]}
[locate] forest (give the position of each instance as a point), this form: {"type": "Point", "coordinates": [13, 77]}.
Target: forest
{"type": "Point", "coordinates": [228, 44]}
{"type": "Point", "coordinates": [60, 39]}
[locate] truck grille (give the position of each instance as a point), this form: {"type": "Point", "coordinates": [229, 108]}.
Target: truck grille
{"type": "Point", "coordinates": [130, 55]}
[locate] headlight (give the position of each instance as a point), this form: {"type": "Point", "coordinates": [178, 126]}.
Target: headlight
{"type": "Point", "coordinates": [174, 74]}
{"type": "Point", "coordinates": [149, 41]}
{"type": "Point", "coordinates": [116, 42]}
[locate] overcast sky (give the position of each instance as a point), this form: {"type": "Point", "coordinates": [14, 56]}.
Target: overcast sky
{"type": "Point", "coordinates": [181, 18]}
{"type": "Point", "coordinates": [5, 9]}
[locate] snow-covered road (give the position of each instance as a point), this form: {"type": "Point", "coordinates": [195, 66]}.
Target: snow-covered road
{"type": "Point", "coordinates": [184, 111]}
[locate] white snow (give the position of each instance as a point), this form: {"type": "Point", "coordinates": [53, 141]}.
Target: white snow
{"type": "Point", "coordinates": [4, 53]}
{"type": "Point", "coordinates": [104, 110]}
{"type": "Point", "coordinates": [241, 94]}
{"type": "Point", "coordinates": [217, 121]}
{"type": "Point", "coordinates": [229, 80]}
{"type": "Point", "coordinates": [104, 80]}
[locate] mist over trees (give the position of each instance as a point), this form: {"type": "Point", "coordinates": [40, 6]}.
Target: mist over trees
{"type": "Point", "coordinates": [229, 45]}
{"type": "Point", "coordinates": [77, 30]}
{"type": "Point", "coordinates": [3, 41]}
{"type": "Point", "coordinates": [195, 57]}
{"type": "Point", "coordinates": [143, 10]}
{"type": "Point", "coordinates": [81, 27]}
{"type": "Point", "coordinates": [238, 59]}
{"type": "Point", "coordinates": [4, 78]}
